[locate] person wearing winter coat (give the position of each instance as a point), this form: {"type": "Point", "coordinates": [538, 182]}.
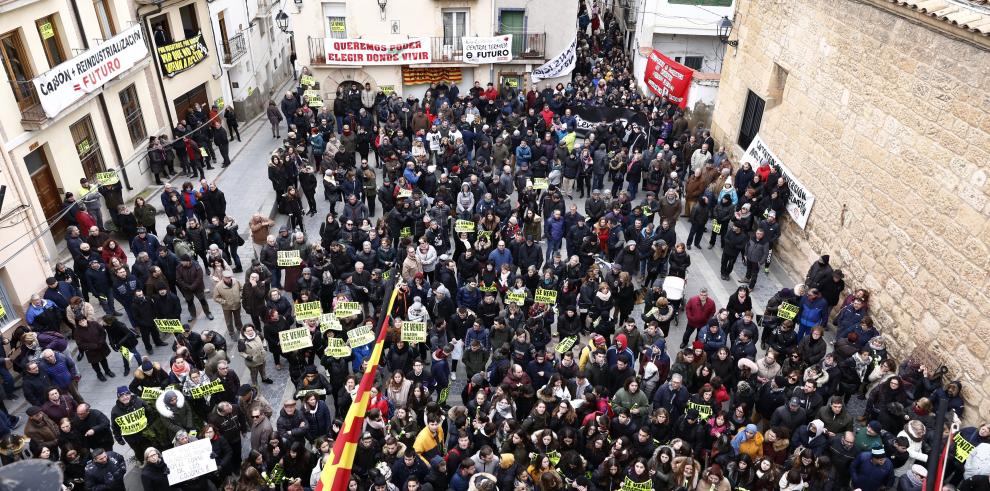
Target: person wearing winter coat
{"type": "Point", "coordinates": [914, 431]}
{"type": "Point", "coordinates": [106, 471]}
{"type": "Point", "coordinates": [228, 294]}
{"type": "Point", "coordinates": [318, 416]}
{"type": "Point", "coordinates": [154, 473]}
{"type": "Point", "coordinates": [91, 338]}
{"type": "Point", "coordinates": [734, 243]}
{"type": "Point", "coordinates": [175, 413]}
{"type": "Point", "coordinates": [811, 436]}
{"type": "Point", "coordinates": [814, 312]}
{"type": "Point", "coordinates": [756, 253]}
{"type": "Point", "coordinates": [872, 470]}
{"type": "Point", "coordinates": [291, 426]}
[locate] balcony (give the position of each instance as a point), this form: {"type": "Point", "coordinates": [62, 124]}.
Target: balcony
{"type": "Point", "coordinates": [32, 114]}
{"type": "Point", "coordinates": [527, 45]}
{"type": "Point", "coordinates": [234, 49]}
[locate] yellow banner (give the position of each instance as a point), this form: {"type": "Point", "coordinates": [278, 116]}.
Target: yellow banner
{"type": "Point", "coordinates": [347, 309]}
{"type": "Point", "coordinates": [308, 310]}
{"type": "Point", "coordinates": [630, 485]}
{"type": "Point", "coordinates": [360, 336]}
{"type": "Point", "coordinates": [168, 325]}
{"type": "Point", "coordinates": [107, 178]}
{"type": "Point", "coordinates": [132, 422]}
{"type": "Point", "coordinates": [413, 332]}
{"type": "Point", "coordinates": [464, 226]}
{"type": "Point", "coordinates": [202, 391]}
{"type": "Point", "coordinates": [337, 349]}
{"type": "Point", "coordinates": [307, 81]}
{"type": "Point", "coordinates": [150, 394]}
{"type": "Point", "coordinates": [963, 448]}
{"type": "Point", "coordinates": [516, 298]}
{"type": "Point", "coordinates": [540, 183]}
{"type": "Point", "coordinates": [288, 258]}
{"type": "Point", "coordinates": [295, 339]}
{"type": "Point", "coordinates": [329, 322]}
{"type": "Point", "coordinates": [716, 227]}
{"type": "Point", "coordinates": [565, 344]}
{"type": "Point", "coordinates": [787, 311]}
{"type": "Point", "coordinates": [704, 410]}
{"type": "Point", "coordinates": [548, 297]}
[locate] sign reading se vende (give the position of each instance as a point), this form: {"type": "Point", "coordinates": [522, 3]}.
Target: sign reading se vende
{"type": "Point", "coordinates": [367, 52]}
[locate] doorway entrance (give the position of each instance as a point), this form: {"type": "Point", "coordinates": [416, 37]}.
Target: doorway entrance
{"type": "Point", "coordinates": [188, 101]}
{"type": "Point", "coordinates": [44, 185]}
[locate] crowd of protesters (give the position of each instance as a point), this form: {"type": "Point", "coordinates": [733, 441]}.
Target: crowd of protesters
{"type": "Point", "coordinates": [571, 391]}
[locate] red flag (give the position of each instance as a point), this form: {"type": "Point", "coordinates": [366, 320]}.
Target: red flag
{"type": "Point", "coordinates": [668, 78]}
{"type": "Point", "coordinates": [943, 460]}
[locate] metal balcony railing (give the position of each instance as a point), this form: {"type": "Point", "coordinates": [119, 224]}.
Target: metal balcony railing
{"type": "Point", "coordinates": [234, 49]}
{"type": "Point", "coordinates": [527, 44]}
{"type": "Point", "coordinates": [32, 114]}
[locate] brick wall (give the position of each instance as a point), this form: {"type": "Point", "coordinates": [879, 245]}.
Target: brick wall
{"type": "Point", "coordinates": [887, 121]}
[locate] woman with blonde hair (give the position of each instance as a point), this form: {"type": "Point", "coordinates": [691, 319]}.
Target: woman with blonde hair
{"type": "Point", "coordinates": [686, 472]}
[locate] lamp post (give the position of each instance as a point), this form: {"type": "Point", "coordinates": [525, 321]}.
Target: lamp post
{"type": "Point", "coordinates": [724, 30]}
{"type": "Point", "coordinates": [282, 21]}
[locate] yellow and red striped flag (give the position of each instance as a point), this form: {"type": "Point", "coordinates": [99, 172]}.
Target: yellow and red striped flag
{"type": "Point", "coordinates": [337, 472]}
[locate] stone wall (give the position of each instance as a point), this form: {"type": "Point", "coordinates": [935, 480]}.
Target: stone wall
{"type": "Point", "coordinates": [885, 116]}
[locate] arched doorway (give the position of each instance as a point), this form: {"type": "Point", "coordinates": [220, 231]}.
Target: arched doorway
{"type": "Point", "coordinates": [338, 78]}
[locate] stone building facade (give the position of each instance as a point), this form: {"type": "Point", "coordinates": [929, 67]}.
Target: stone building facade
{"type": "Point", "coordinates": [882, 110]}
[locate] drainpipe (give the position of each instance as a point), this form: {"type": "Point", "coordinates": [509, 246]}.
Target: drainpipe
{"type": "Point", "coordinates": [158, 66]}
{"type": "Point", "coordinates": [103, 103]}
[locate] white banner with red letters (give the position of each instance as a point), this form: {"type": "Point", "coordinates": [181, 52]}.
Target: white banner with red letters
{"type": "Point", "coordinates": [70, 81]}
{"type": "Point", "coordinates": [410, 51]}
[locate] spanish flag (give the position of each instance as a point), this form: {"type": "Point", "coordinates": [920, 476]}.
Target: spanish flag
{"type": "Point", "coordinates": [337, 472]}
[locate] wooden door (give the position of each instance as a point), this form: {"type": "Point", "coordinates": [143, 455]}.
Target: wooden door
{"type": "Point", "coordinates": [44, 184]}
{"type": "Point", "coordinates": [514, 22]}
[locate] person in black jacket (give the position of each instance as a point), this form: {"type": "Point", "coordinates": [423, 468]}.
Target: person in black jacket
{"type": "Point", "coordinates": [734, 242]}
{"type": "Point", "coordinates": [222, 139]}
{"type": "Point", "coordinates": [154, 473]}
{"type": "Point", "coordinates": [699, 219]}
{"type": "Point", "coordinates": [307, 181]}
{"type": "Point", "coordinates": [121, 336]}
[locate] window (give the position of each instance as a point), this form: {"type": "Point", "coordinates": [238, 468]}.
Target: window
{"type": "Point", "coordinates": [162, 30]}
{"type": "Point", "coordinates": [88, 148]}
{"type": "Point", "coordinates": [104, 16]}
{"type": "Point", "coordinates": [50, 40]}
{"type": "Point", "coordinates": [694, 62]}
{"type": "Point", "coordinates": [132, 114]}
{"type": "Point", "coordinates": [190, 23]}
{"type": "Point", "coordinates": [454, 28]}
{"type": "Point", "coordinates": [751, 119]}
{"type": "Point", "coordinates": [15, 64]}
{"type": "Point", "coordinates": [336, 20]}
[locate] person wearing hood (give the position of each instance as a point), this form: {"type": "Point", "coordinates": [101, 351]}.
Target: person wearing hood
{"type": "Point", "coordinates": [811, 436]}
{"type": "Point", "coordinates": [176, 414]}
{"type": "Point", "coordinates": [621, 346]}
{"type": "Point", "coordinates": [953, 393]}
{"type": "Point", "coordinates": [748, 441]}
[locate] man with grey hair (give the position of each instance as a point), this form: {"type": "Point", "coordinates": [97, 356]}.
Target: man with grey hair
{"type": "Point", "coordinates": [61, 370]}
{"type": "Point", "coordinates": [672, 396]}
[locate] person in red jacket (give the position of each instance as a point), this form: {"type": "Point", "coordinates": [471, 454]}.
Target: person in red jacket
{"type": "Point", "coordinates": [699, 310]}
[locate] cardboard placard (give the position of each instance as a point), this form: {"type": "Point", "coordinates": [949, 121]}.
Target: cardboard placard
{"type": "Point", "coordinates": [405, 232]}
{"type": "Point", "coordinates": [337, 349]}
{"type": "Point", "coordinates": [344, 310]}
{"type": "Point", "coordinates": [360, 336]}
{"type": "Point", "coordinates": [189, 461]}
{"type": "Point", "coordinates": [132, 422]}
{"type": "Point", "coordinates": [329, 322]}
{"type": "Point", "coordinates": [413, 332]}
{"type": "Point", "coordinates": [295, 339]}
{"type": "Point", "coordinates": [168, 325]}
{"type": "Point", "coordinates": [716, 227]}
{"type": "Point", "coordinates": [566, 344]}
{"type": "Point", "coordinates": [214, 387]}
{"type": "Point", "coordinates": [516, 298]}
{"type": "Point", "coordinates": [108, 178]}
{"type": "Point", "coordinates": [307, 81]}
{"type": "Point", "coordinates": [308, 310]}
{"type": "Point", "coordinates": [464, 226]}
{"type": "Point", "coordinates": [150, 394]}
{"type": "Point", "coordinates": [540, 183]}
{"type": "Point", "coordinates": [787, 311]}
{"type": "Point", "coordinates": [548, 297]}
{"type": "Point", "coordinates": [288, 259]}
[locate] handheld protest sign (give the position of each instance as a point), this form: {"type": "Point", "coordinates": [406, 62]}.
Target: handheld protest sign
{"type": "Point", "coordinates": [169, 325]}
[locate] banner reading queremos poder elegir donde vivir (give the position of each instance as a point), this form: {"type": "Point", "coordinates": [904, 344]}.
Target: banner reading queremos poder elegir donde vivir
{"type": "Point", "coordinates": [412, 51]}
{"type": "Point", "coordinates": [70, 81]}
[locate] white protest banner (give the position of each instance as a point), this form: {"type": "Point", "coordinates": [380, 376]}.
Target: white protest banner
{"type": "Point", "coordinates": [70, 81]}
{"type": "Point", "coordinates": [369, 52]}
{"type": "Point", "coordinates": [801, 200]}
{"type": "Point", "coordinates": [496, 49]}
{"type": "Point", "coordinates": [189, 461]}
{"type": "Point", "coordinates": [559, 65]}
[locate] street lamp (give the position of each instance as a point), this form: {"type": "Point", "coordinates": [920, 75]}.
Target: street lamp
{"type": "Point", "coordinates": [282, 21]}
{"type": "Point", "coordinates": [724, 30]}
{"type": "Point", "coordinates": [381, 5]}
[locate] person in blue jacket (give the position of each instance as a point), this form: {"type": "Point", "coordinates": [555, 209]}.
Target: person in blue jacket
{"type": "Point", "coordinates": [814, 312]}
{"type": "Point", "coordinates": [872, 470]}
{"type": "Point", "coordinates": [440, 370]}
{"type": "Point", "coordinates": [523, 153]}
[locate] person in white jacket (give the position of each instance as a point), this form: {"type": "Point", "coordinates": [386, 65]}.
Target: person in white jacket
{"type": "Point", "coordinates": [914, 431]}
{"type": "Point", "coordinates": [427, 256]}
